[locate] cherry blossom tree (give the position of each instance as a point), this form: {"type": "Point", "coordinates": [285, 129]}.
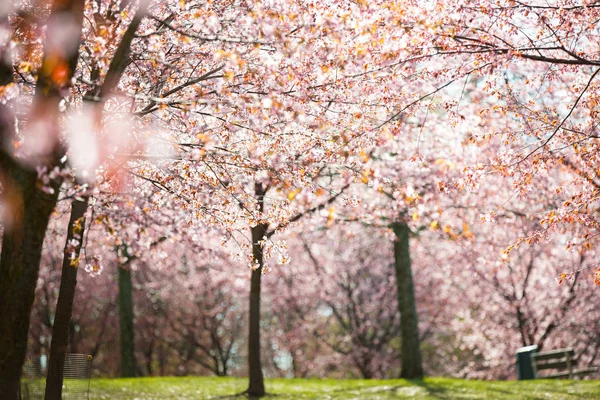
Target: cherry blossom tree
{"type": "Point", "coordinates": [401, 188]}
{"type": "Point", "coordinates": [524, 73]}
{"type": "Point", "coordinates": [162, 312]}
{"type": "Point", "coordinates": [361, 301]}
{"type": "Point", "coordinates": [93, 307]}
{"type": "Point", "coordinates": [523, 304]}
{"type": "Point", "coordinates": [31, 206]}
{"type": "Point", "coordinates": [205, 323]}
{"type": "Point", "coordinates": [248, 117]}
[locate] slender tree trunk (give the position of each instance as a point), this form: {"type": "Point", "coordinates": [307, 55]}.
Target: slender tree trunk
{"type": "Point", "coordinates": [66, 296]}
{"type": "Point", "coordinates": [409, 323]}
{"type": "Point", "coordinates": [126, 316]}
{"type": "Point", "coordinates": [256, 386]}
{"type": "Point", "coordinates": [126, 323]}
{"type": "Point", "coordinates": [149, 354]}
{"type": "Point", "coordinates": [225, 370]}
{"type": "Point", "coordinates": [162, 359]}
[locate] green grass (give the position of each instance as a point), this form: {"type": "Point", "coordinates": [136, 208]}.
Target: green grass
{"type": "Point", "coordinates": [279, 389]}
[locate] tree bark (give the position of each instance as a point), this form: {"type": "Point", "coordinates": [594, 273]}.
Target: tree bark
{"type": "Point", "coordinates": [256, 387]}
{"type": "Point", "coordinates": [149, 353]}
{"type": "Point", "coordinates": [256, 383]}
{"type": "Point", "coordinates": [127, 338]}
{"type": "Point", "coordinates": [409, 324]}
{"type": "Point", "coordinates": [31, 207]}
{"type": "Point", "coordinates": [12, 348]}
{"type": "Point", "coordinates": [19, 267]}
{"type": "Point", "coordinates": [126, 315]}
{"type": "Point", "coordinates": [66, 296]}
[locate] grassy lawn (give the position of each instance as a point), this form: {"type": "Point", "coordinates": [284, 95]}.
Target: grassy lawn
{"type": "Point", "coordinates": [430, 388]}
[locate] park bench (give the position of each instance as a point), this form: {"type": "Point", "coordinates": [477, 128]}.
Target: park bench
{"type": "Point", "coordinates": [561, 361]}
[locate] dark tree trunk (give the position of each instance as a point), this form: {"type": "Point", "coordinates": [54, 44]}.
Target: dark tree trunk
{"type": "Point", "coordinates": [162, 359]}
{"type": "Point", "coordinates": [30, 206]}
{"type": "Point", "coordinates": [225, 370]}
{"type": "Point", "coordinates": [409, 322]}
{"type": "Point", "coordinates": [149, 353]}
{"type": "Point", "coordinates": [256, 386]}
{"type": "Point", "coordinates": [126, 315]}
{"type": "Point", "coordinates": [19, 267]}
{"type": "Point", "coordinates": [66, 296]}
{"type": "Point", "coordinates": [126, 323]}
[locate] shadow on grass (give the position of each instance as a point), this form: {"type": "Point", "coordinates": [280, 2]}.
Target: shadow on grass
{"type": "Point", "coordinates": [435, 390]}
{"type": "Point", "coordinates": [414, 388]}
{"type": "Point", "coordinates": [365, 391]}
{"type": "Point", "coordinates": [443, 391]}
{"type": "Point", "coordinates": [243, 395]}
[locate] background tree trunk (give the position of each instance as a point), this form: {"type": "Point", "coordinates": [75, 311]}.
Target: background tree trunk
{"type": "Point", "coordinates": [127, 338]}
{"type": "Point", "coordinates": [126, 315]}
{"type": "Point", "coordinates": [66, 296]}
{"type": "Point", "coordinates": [409, 323]}
{"type": "Point", "coordinates": [256, 386]}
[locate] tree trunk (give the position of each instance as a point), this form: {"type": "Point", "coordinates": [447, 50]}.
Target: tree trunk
{"type": "Point", "coordinates": [9, 363]}
{"type": "Point", "coordinates": [162, 359]}
{"type": "Point", "coordinates": [256, 385]}
{"type": "Point", "coordinates": [19, 267]}
{"type": "Point", "coordinates": [66, 295]}
{"type": "Point", "coordinates": [30, 206]}
{"type": "Point", "coordinates": [126, 323]}
{"type": "Point", "coordinates": [409, 324]}
{"type": "Point", "coordinates": [149, 353]}
{"type": "Point", "coordinates": [127, 339]}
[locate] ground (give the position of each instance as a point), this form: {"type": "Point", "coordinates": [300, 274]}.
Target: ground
{"type": "Point", "coordinates": [279, 389]}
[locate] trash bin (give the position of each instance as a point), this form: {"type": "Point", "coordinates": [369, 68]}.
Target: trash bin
{"type": "Point", "coordinates": [524, 362]}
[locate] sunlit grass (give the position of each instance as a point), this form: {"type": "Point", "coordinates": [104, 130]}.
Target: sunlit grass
{"type": "Point", "coordinates": [429, 388]}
